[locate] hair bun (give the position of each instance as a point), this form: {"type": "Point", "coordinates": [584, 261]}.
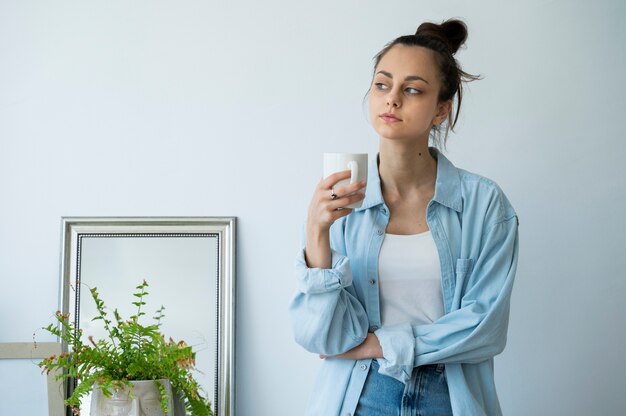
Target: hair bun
{"type": "Point", "coordinates": [453, 33]}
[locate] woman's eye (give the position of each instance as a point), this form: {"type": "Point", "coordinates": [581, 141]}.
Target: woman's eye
{"type": "Point", "coordinates": [381, 86]}
{"type": "Point", "coordinates": [412, 91]}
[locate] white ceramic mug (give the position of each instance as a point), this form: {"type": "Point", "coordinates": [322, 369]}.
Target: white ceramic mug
{"type": "Point", "coordinates": [355, 162]}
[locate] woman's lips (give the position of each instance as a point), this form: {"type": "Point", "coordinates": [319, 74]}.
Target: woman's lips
{"type": "Point", "coordinates": [390, 118]}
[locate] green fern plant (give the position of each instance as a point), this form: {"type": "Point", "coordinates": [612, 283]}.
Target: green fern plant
{"type": "Point", "coordinates": [131, 351]}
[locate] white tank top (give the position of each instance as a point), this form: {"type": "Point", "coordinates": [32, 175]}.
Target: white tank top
{"type": "Point", "coordinates": [409, 279]}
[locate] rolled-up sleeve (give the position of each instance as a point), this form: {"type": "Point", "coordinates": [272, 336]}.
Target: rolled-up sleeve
{"type": "Point", "coordinates": [314, 280]}
{"type": "Point", "coordinates": [476, 330]}
{"type": "Point", "coordinates": [327, 318]}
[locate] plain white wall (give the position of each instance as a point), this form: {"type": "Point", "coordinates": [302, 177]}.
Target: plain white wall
{"type": "Point", "coordinates": [155, 108]}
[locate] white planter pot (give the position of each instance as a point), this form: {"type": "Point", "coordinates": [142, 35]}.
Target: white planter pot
{"type": "Point", "coordinates": [147, 401]}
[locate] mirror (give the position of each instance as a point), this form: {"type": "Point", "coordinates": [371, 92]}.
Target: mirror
{"type": "Point", "coordinates": [189, 264]}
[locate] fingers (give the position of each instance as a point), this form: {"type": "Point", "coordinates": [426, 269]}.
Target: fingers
{"type": "Point", "coordinates": [344, 201]}
{"type": "Point", "coordinates": [324, 210]}
{"type": "Point", "coordinates": [328, 216]}
{"type": "Point", "coordinates": [345, 195]}
{"type": "Point", "coordinates": [342, 195]}
{"type": "Point", "coordinates": [348, 189]}
{"type": "Point", "coordinates": [331, 180]}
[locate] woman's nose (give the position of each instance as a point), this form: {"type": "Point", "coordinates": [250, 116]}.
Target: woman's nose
{"type": "Point", "coordinates": [393, 100]}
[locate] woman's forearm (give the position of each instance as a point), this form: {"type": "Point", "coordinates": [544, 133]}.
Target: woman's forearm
{"type": "Point", "coordinates": [317, 251]}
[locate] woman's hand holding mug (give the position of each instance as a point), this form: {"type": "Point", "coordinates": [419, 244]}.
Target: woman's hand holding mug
{"type": "Point", "coordinates": [330, 201]}
{"type": "Point", "coordinates": [334, 198]}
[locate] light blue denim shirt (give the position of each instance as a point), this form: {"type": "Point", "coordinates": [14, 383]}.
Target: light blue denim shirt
{"type": "Point", "coordinates": [475, 231]}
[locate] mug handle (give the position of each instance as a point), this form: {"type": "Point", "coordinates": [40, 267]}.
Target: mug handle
{"type": "Point", "coordinates": [354, 171]}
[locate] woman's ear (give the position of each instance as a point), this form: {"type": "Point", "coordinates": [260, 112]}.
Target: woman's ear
{"type": "Point", "coordinates": [442, 112]}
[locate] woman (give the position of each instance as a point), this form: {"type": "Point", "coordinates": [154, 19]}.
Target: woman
{"type": "Point", "coordinates": [407, 298]}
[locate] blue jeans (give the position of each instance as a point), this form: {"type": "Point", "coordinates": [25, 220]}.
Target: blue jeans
{"type": "Point", "coordinates": [426, 394]}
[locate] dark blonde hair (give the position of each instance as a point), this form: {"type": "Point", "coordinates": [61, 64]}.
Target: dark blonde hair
{"type": "Point", "coordinates": [444, 39]}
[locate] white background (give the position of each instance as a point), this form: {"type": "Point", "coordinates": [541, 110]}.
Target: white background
{"type": "Point", "coordinates": [194, 108]}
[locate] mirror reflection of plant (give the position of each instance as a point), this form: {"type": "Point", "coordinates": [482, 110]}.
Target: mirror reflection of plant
{"type": "Point", "coordinates": [131, 351]}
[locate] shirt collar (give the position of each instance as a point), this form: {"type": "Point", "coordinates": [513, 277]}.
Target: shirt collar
{"type": "Point", "coordinates": [447, 185]}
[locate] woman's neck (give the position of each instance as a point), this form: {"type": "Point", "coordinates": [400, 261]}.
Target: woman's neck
{"type": "Point", "coordinates": [406, 167]}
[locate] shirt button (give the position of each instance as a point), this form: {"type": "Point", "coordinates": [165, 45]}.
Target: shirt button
{"type": "Point", "coordinates": [363, 367]}
{"type": "Point", "coordinates": [373, 328]}
{"type": "Point", "coordinates": [379, 232]}
{"type": "Point", "coordinates": [372, 282]}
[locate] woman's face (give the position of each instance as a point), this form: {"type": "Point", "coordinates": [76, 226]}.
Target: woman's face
{"type": "Point", "coordinates": [403, 99]}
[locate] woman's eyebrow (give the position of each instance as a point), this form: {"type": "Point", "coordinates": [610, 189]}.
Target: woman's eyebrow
{"type": "Point", "coordinates": [408, 78]}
